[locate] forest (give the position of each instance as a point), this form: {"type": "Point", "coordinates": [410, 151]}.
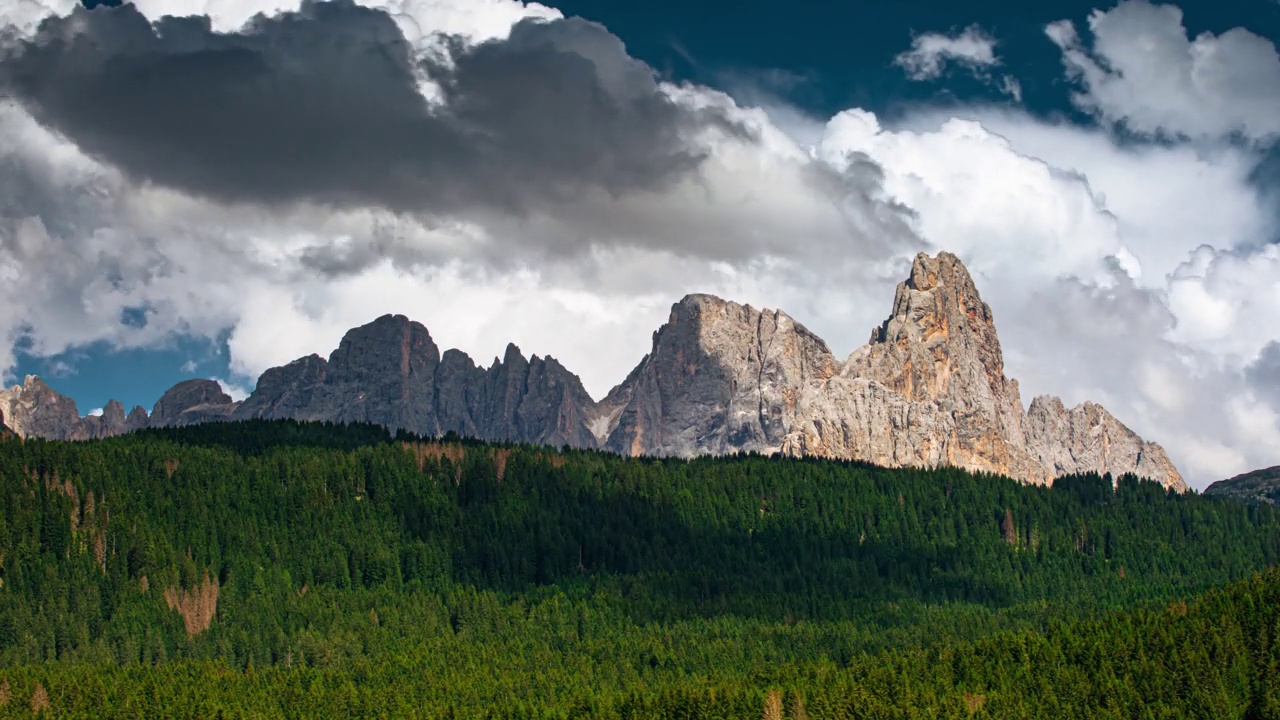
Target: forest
{"type": "Point", "coordinates": [293, 570]}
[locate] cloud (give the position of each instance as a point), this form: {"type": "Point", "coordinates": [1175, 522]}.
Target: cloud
{"type": "Point", "coordinates": [1263, 374]}
{"type": "Point", "coordinates": [1165, 199]}
{"type": "Point", "coordinates": [1144, 73]}
{"type": "Point", "coordinates": [973, 48]}
{"type": "Point", "coordinates": [322, 104]}
{"type": "Point", "coordinates": [475, 20]}
{"type": "Point", "coordinates": [1228, 299]}
{"type": "Point", "coordinates": [22, 16]}
{"type": "Point", "coordinates": [1010, 86]}
{"type": "Point", "coordinates": [235, 390]}
{"type": "Point", "coordinates": [930, 53]}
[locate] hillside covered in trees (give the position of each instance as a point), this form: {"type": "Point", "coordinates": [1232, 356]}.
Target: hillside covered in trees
{"type": "Point", "coordinates": [279, 569]}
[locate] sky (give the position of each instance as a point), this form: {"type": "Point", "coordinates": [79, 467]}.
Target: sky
{"type": "Point", "coordinates": [209, 189]}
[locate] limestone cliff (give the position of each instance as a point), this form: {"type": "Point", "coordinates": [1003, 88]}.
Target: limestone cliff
{"type": "Point", "coordinates": [929, 389]}
{"type": "Point", "coordinates": [35, 409]}
{"type": "Point", "coordinates": [722, 377]}
{"type": "Point", "coordinates": [1088, 438]}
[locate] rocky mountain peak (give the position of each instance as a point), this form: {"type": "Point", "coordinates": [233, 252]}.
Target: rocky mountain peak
{"type": "Point", "coordinates": [390, 346]}
{"type": "Point", "coordinates": [35, 409]}
{"type": "Point", "coordinates": [390, 372]}
{"type": "Point", "coordinates": [1087, 438]}
{"type": "Point", "coordinates": [939, 349]}
{"type": "Point", "coordinates": [113, 413]}
{"type": "Point", "coordinates": [190, 402]}
{"type": "Point", "coordinates": [721, 377]}
{"type": "Point", "coordinates": [512, 356]}
{"type": "Point", "coordinates": [137, 419]}
{"type": "Point", "coordinates": [940, 338]}
{"type": "Point", "coordinates": [286, 391]}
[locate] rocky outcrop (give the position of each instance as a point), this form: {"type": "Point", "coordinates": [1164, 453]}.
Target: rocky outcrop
{"type": "Point", "coordinates": [137, 419]}
{"type": "Point", "coordinates": [382, 373]}
{"type": "Point", "coordinates": [112, 421]}
{"type": "Point", "coordinates": [928, 390]}
{"type": "Point", "coordinates": [286, 391]}
{"type": "Point", "coordinates": [35, 409]}
{"type": "Point", "coordinates": [191, 402]}
{"type": "Point", "coordinates": [1257, 486]}
{"type": "Point", "coordinates": [1087, 438]}
{"type": "Point", "coordinates": [721, 377]}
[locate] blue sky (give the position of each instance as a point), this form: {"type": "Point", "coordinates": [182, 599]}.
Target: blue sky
{"type": "Point", "coordinates": [1118, 210]}
{"type": "Point", "coordinates": [845, 50]}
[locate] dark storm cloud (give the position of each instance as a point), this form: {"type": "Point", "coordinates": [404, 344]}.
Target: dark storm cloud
{"type": "Point", "coordinates": [322, 104]}
{"type": "Point", "coordinates": [1264, 375]}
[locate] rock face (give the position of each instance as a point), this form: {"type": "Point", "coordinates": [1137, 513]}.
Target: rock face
{"type": "Point", "coordinates": [932, 375]}
{"type": "Point", "coordinates": [722, 377]}
{"type": "Point", "coordinates": [391, 373]}
{"type": "Point", "coordinates": [1258, 486]}
{"type": "Point", "coordinates": [1088, 438]}
{"type": "Point", "coordinates": [191, 402]}
{"type": "Point", "coordinates": [286, 391]}
{"type": "Point", "coordinates": [34, 409]}
{"type": "Point", "coordinates": [928, 389]}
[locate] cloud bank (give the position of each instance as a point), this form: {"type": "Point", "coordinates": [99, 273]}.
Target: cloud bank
{"type": "Point", "coordinates": [502, 173]}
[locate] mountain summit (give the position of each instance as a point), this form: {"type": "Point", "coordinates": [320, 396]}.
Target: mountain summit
{"type": "Point", "coordinates": [928, 389]}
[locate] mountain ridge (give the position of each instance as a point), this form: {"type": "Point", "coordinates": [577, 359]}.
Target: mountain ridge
{"type": "Point", "coordinates": [928, 389]}
{"type": "Point", "coordinates": [1256, 486]}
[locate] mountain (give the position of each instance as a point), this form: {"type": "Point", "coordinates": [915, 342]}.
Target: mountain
{"type": "Point", "coordinates": [929, 389]}
{"type": "Point", "coordinates": [391, 373]}
{"type": "Point", "coordinates": [1257, 486]}
{"type": "Point", "coordinates": [33, 409]}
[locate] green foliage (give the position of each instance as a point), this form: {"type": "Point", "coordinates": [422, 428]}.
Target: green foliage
{"type": "Point", "coordinates": [358, 574]}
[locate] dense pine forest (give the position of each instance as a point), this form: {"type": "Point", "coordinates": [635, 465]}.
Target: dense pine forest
{"type": "Point", "coordinates": [279, 569]}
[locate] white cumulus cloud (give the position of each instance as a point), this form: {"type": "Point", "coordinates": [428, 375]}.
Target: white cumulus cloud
{"type": "Point", "coordinates": [1144, 72]}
